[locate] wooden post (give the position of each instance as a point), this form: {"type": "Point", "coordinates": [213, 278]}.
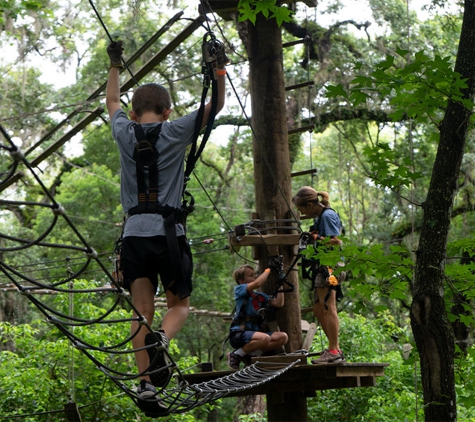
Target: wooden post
{"type": "Point", "coordinates": [271, 153]}
{"type": "Point", "coordinates": [288, 406]}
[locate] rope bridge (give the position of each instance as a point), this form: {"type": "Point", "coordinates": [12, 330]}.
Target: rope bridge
{"type": "Point", "coordinates": [113, 356]}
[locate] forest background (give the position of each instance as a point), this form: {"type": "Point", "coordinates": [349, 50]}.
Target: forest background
{"type": "Point", "coordinates": [376, 163]}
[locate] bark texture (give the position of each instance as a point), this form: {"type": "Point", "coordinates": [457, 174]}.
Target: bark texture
{"type": "Point", "coordinates": [432, 331]}
{"type": "Point", "coordinates": [272, 181]}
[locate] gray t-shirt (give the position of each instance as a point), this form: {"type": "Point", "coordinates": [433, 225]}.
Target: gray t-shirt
{"type": "Point", "coordinates": [175, 136]}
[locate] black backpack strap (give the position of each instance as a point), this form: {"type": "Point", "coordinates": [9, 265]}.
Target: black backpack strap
{"type": "Point", "coordinates": [146, 156]}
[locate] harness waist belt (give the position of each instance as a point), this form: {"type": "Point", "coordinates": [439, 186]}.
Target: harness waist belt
{"type": "Point", "coordinates": [164, 211]}
{"type": "Point", "coordinates": [172, 216]}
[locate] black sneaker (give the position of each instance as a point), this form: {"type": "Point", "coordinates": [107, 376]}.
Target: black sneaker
{"type": "Point", "coordinates": [146, 390]}
{"type": "Point", "coordinates": [148, 400]}
{"type": "Point", "coordinates": [247, 359]}
{"type": "Point", "coordinates": [234, 360]}
{"type": "Point", "coordinates": [159, 359]}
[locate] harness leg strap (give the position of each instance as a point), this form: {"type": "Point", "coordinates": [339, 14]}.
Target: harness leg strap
{"type": "Point", "coordinates": [175, 256]}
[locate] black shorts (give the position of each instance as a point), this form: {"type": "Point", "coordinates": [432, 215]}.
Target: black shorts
{"type": "Point", "coordinates": [148, 256]}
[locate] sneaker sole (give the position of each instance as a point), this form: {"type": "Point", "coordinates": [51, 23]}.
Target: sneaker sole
{"type": "Point", "coordinates": [147, 395]}
{"type": "Point", "coordinates": [337, 360]}
{"type": "Point", "coordinates": [158, 359]}
{"type": "Point", "coordinates": [152, 408]}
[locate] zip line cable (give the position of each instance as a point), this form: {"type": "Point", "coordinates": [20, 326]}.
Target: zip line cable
{"type": "Point", "coordinates": [215, 207]}
{"type": "Point", "coordinates": [261, 150]}
{"type": "Point", "coordinates": [111, 40]}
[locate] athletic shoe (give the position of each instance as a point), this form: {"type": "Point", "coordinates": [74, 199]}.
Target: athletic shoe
{"type": "Point", "coordinates": [234, 360]}
{"type": "Point", "coordinates": [148, 400]}
{"type": "Point", "coordinates": [146, 390]}
{"type": "Point", "coordinates": [159, 359]}
{"type": "Point", "coordinates": [247, 359]}
{"type": "Point", "coordinates": [329, 357]}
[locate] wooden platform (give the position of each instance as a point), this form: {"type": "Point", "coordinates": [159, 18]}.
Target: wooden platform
{"type": "Point", "coordinates": [306, 377]}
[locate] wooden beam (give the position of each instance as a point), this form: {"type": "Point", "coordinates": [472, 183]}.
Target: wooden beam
{"type": "Point", "coordinates": [306, 128]}
{"type": "Point", "coordinates": [72, 412]}
{"type": "Point", "coordinates": [54, 147]}
{"type": "Point", "coordinates": [226, 9]}
{"type": "Point", "coordinates": [140, 51]}
{"type": "Point", "coordinates": [298, 86]}
{"type": "Point", "coordinates": [67, 136]}
{"type": "Point", "coordinates": [296, 42]}
{"type": "Point", "coordinates": [312, 329]}
{"type": "Point", "coordinates": [163, 53]}
{"type": "Point", "coordinates": [267, 239]}
{"type": "Point", "coordinates": [142, 72]}
{"type": "Point", "coordinates": [12, 180]}
{"type": "Point", "coordinates": [96, 93]}
{"type": "Point", "coordinates": [304, 172]}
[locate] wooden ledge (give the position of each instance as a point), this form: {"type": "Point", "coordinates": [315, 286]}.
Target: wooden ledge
{"type": "Point", "coordinates": [304, 377]}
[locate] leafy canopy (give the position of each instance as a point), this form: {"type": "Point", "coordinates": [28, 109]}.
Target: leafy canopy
{"type": "Point", "coordinates": [249, 9]}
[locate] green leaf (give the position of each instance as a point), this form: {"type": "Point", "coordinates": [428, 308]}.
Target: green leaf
{"type": "Point", "coordinates": [336, 91]}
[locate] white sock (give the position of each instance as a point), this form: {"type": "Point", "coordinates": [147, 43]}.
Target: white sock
{"type": "Point", "coordinates": [239, 352]}
{"type": "Point", "coordinates": [256, 353]}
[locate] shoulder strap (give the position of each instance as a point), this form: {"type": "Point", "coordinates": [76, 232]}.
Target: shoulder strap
{"type": "Point", "coordinates": [145, 157]}
{"type": "Point", "coordinates": [320, 219]}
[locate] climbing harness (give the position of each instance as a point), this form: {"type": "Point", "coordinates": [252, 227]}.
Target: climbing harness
{"type": "Point", "coordinates": [146, 156]}
{"type": "Point", "coordinates": [311, 268]}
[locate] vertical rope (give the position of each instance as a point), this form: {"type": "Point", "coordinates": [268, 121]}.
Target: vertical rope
{"type": "Point", "coordinates": [411, 151]}
{"type": "Point", "coordinates": [111, 40]}
{"type": "Point", "coordinates": [308, 96]}
{"type": "Point", "coordinates": [72, 392]}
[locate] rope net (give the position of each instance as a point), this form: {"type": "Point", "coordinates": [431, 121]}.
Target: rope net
{"type": "Point", "coordinates": [75, 258]}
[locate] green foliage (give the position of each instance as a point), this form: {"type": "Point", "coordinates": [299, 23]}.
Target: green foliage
{"type": "Point", "coordinates": [388, 169]}
{"type": "Point", "coordinates": [417, 88]}
{"type": "Point", "coordinates": [376, 272]}
{"type": "Point", "coordinates": [40, 353]}
{"type": "Point", "coordinates": [90, 196]}
{"type": "Point", "coordinates": [249, 9]}
{"type": "Point", "coordinates": [15, 10]}
{"type": "Point", "coordinates": [47, 358]}
{"type": "Point", "coordinates": [371, 169]}
{"type": "Point", "coordinates": [365, 340]}
{"type": "Point", "coordinates": [253, 417]}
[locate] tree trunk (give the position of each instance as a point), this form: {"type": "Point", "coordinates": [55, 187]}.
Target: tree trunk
{"type": "Point", "coordinates": [272, 182]}
{"type": "Point", "coordinates": [247, 405]}
{"type": "Point", "coordinates": [432, 331]}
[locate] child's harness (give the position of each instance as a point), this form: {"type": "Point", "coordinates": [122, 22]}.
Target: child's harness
{"type": "Point", "coordinates": [242, 317]}
{"type": "Point", "coordinates": [146, 156]}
